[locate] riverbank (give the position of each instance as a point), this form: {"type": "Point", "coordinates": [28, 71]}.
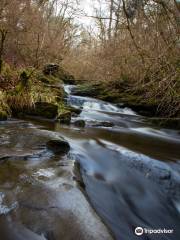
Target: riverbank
{"type": "Point", "coordinates": [124, 163]}
{"type": "Point", "coordinates": [41, 93]}
{"type": "Point", "coordinates": [32, 92]}
{"type": "Point", "coordinates": [123, 97]}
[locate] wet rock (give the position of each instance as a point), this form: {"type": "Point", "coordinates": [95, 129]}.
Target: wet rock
{"type": "Point", "coordinates": [104, 124]}
{"type": "Point", "coordinates": [77, 175]}
{"type": "Point", "coordinates": [3, 116]}
{"type": "Point", "coordinates": [58, 146]}
{"type": "Point", "coordinates": [64, 117]}
{"type": "Point", "coordinates": [44, 109]}
{"type": "Point", "coordinates": [163, 174]}
{"type": "Point", "coordinates": [80, 123]}
{"type": "Point", "coordinates": [75, 111]}
{"type": "Point", "coordinates": [99, 176]}
{"type": "Point", "coordinates": [11, 230]}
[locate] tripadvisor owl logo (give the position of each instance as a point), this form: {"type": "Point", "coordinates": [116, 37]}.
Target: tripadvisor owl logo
{"type": "Point", "coordinates": [139, 231]}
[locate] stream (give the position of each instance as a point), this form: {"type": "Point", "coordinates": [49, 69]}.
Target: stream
{"type": "Point", "coordinates": [122, 172]}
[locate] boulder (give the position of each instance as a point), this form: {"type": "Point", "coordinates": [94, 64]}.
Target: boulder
{"type": "Point", "coordinates": [64, 117]}
{"type": "Point", "coordinates": [44, 109]}
{"type": "Point", "coordinates": [58, 146]}
{"type": "Point", "coordinates": [80, 123]}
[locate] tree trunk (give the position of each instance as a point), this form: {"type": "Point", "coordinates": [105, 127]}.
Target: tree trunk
{"type": "Point", "coordinates": [3, 33]}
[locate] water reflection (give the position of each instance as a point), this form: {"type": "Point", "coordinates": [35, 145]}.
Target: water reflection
{"type": "Point", "coordinates": [130, 173]}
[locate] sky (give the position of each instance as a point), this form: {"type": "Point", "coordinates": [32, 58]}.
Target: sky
{"type": "Point", "coordinates": [87, 7]}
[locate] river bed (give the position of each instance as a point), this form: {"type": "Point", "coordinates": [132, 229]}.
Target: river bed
{"type": "Point", "coordinates": [130, 177]}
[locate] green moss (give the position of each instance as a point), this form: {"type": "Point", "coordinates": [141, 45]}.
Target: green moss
{"type": "Point", "coordinates": [31, 89]}
{"type": "Point", "coordinates": [43, 109]}
{"type": "Point", "coordinates": [64, 117]}
{"type": "Point", "coordinates": [43, 78]}
{"type": "Point", "coordinates": [3, 115]}
{"type": "Point", "coordinates": [4, 108]}
{"type": "Point", "coordinates": [173, 123]}
{"type": "Point", "coordinates": [91, 90]}
{"type": "Point", "coordinates": [8, 71]}
{"type": "Point", "coordinates": [24, 82]}
{"type": "Point", "coordinates": [49, 79]}
{"type": "Point", "coordinates": [108, 92]}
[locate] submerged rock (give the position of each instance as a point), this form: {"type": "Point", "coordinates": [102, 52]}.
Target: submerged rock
{"type": "Point", "coordinates": [104, 124]}
{"type": "Point", "coordinates": [80, 123]}
{"type": "Point", "coordinates": [58, 146]}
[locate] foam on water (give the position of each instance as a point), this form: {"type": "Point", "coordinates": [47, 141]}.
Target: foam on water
{"type": "Point", "coordinates": [4, 209]}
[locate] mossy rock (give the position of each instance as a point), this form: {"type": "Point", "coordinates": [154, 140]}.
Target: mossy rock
{"type": "Point", "coordinates": [3, 115]}
{"type": "Point", "coordinates": [50, 79]}
{"type": "Point", "coordinates": [110, 97]}
{"type": "Point", "coordinates": [67, 78]}
{"type": "Point", "coordinates": [172, 123]}
{"type": "Point", "coordinates": [64, 117]}
{"type": "Point", "coordinates": [84, 90]}
{"type": "Point", "coordinates": [54, 70]}
{"type": "Point", "coordinates": [44, 109]}
{"type": "Point", "coordinates": [56, 91]}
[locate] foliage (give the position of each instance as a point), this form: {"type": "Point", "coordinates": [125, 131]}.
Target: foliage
{"type": "Point", "coordinates": [136, 49]}
{"type": "Point", "coordinates": [35, 32]}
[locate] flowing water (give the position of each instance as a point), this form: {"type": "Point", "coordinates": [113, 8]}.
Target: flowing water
{"type": "Point", "coordinates": [129, 168]}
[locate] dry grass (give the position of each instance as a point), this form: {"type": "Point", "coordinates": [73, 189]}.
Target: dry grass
{"type": "Point", "coordinates": [150, 67]}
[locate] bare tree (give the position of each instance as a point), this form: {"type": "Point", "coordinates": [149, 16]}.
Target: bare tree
{"type": "Point", "coordinates": [3, 33]}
